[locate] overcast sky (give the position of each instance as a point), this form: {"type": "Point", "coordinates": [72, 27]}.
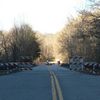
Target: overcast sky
{"type": "Point", "coordinates": [47, 16]}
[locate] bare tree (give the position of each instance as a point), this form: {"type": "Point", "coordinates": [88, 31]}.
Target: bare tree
{"type": "Point", "coordinates": [24, 42]}
{"type": "Point", "coordinates": [81, 36]}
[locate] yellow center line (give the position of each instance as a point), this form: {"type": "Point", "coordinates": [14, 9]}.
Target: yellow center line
{"type": "Point", "coordinates": [58, 87]}
{"type": "Point", "coordinates": [55, 86]}
{"type": "Point", "coordinates": [54, 94]}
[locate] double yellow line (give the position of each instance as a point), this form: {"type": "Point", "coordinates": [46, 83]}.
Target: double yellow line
{"type": "Point", "coordinates": [56, 90]}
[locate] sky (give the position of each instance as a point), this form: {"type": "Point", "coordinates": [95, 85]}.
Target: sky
{"type": "Point", "coordinates": [46, 16]}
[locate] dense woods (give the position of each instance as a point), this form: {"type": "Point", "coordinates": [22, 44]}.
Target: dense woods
{"type": "Point", "coordinates": [48, 46]}
{"type": "Point", "coordinates": [19, 43]}
{"type": "Point", "coordinates": [81, 36]}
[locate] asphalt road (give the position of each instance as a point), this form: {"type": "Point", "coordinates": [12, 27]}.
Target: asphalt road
{"type": "Point", "coordinates": [49, 83]}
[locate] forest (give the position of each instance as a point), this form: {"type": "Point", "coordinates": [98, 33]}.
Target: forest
{"type": "Point", "coordinates": [80, 36]}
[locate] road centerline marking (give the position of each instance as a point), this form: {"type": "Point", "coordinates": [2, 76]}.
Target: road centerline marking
{"type": "Point", "coordinates": [54, 93]}
{"type": "Point", "coordinates": [56, 89]}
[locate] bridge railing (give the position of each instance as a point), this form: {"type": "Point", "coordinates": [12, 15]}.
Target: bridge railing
{"type": "Point", "coordinates": [10, 67]}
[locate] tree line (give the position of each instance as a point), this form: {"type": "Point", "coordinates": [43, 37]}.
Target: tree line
{"type": "Point", "coordinates": [81, 36]}
{"type": "Point", "coordinates": [18, 43]}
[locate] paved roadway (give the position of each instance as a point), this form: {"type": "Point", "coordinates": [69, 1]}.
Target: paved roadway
{"type": "Point", "coordinates": [49, 83]}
